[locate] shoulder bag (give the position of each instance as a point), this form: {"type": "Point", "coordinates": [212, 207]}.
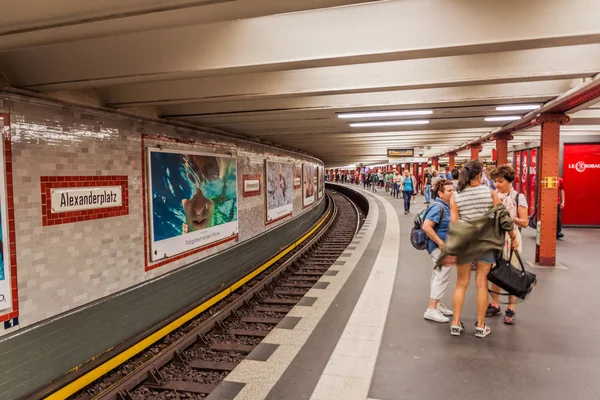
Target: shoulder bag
{"type": "Point", "coordinates": [516, 281]}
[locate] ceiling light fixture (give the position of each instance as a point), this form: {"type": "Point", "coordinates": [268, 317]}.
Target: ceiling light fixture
{"type": "Point", "coordinates": [388, 123]}
{"type": "Point", "coordinates": [505, 118]}
{"type": "Point", "coordinates": [518, 107]}
{"type": "Point", "coordinates": [380, 114]}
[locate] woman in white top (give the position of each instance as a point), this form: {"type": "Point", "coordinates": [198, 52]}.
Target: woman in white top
{"type": "Point", "coordinates": [472, 201]}
{"type": "Point", "coordinates": [516, 204]}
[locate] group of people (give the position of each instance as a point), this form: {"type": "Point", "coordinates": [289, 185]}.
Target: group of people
{"type": "Point", "coordinates": [468, 197]}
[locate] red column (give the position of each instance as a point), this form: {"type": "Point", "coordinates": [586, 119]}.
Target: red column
{"type": "Point", "coordinates": [407, 167]}
{"type": "Point", "coordinates": [398, 167]}
{"type": "Point", "coordinates": [451, 158]}
{"type": "Point", "coordinates": [415, 170]}
{"type": "Point", "coordinates": [475, 149]}
{"type": "Point", "coordinates": [502, 148]}
{"type": "Point", "coordinates": [435, 163]}
{"type": "Point", "coordinates": [547, 210]}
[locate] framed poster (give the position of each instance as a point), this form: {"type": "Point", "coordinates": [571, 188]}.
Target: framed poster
{"type": "Point", "coordinates": [321, 182]}
{"type": "Point", "coordinates": [308, 187]}
{"type": "Point", "coordinates": [279, 189]}
{"type": "Point", "coordinates": [5, 272]}
{"type": "Point", "coordinates": [193, 200]}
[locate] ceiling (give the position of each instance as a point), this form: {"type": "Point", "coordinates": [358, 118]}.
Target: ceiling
{"type": "Point", "coordinates": [282, 71]}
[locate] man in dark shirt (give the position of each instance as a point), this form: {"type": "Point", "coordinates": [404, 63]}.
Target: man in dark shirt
{"type": "Point", "coordinates": [427, 189]}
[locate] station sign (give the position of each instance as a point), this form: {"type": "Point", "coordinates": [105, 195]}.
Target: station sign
{"type": "Point", "coordinates": [400, 153]}
{"type": "Point", "coordinates": [251, 185]}
{"type": "Point", "coordinates": [85, 198]}
{"type": "Point", "coordinates": [405, 160]}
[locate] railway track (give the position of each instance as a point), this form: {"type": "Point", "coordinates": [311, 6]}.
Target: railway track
{"type": "Point", "coordinates": [190, 362]}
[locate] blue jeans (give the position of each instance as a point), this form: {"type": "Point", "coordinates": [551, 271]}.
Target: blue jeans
{"type": "Point", "coordinates": [407, 195]}
{"type": "Point", "coordinates": [427, 193]}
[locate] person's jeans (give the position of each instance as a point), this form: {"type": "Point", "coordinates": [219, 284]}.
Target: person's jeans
{"type": "Point", "coordinates": [407, 195]}
{"type": "Point", "coordinates": [427, 194]}
{"type": "Point", "coordinates": [559, 220]}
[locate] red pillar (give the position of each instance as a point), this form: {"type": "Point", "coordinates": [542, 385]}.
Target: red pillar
{"type": "Point", "coordinates": [475, 149]}
{"type": "Point", "coordinates": [435, 163]}
{"type": "Point", "coordinates": [407, 167]}
{"type": "Point", "coordinates": [451, 158]}
{"type": "Point", "coordinates": [502, 148]}
{"type": "Point", "coordinates": [399, 167]}
{"type": "Point", "coordinates": [547, 210]}
{"type": "Point", "coordinates": [415, 170]}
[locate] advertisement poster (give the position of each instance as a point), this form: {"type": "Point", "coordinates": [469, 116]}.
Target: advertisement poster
{"type": "Point", "coordinates": [321, 181]}
{"type": "Point", "coordinates": [517, 181]}
{"type": "Point", "coordinates": [308, 188]}
{"type": "Point", "coordinates": [532, 181]}
{"type": "Point", "coordinates": [279, 189]}
{"type": "Point", "coordinates": [193, 200]}
{"type": "Point", "coordinates": [5, 286]}
{"type": "Point", "coordinates": [581, 172]}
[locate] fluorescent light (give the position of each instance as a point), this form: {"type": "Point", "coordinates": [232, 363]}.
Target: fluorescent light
{"type": "Point", "coordinates": [388, 123]}
{"type": "Point", "coordinates": [517, 108]}
{"type": "Point", "coordinates": [379, 114]}
{"type": "Point", "coordinates": [506, 118]}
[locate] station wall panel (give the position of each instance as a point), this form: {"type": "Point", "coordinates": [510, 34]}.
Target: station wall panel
{"type": "Point", "coordinates": [62, 267]}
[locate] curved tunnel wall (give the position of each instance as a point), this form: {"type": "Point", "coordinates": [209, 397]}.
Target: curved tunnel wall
{"type": "Point", "coordinates": [85, 284]}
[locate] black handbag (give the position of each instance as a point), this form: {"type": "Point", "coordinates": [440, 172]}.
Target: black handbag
{"type": "Point", "coordinates": [515, 281]}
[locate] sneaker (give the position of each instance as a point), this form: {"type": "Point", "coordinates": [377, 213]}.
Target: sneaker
{"type": "Point", "coordinates": [492, 310]}
{"type": "Point", "coordinates": [456, 330]}
{"type": "Point", "coordinates": [435, 315]}
{"type": "Point", "coordinates": [510, 316]}
{"type": "Point", "coordinates": [560, 235]}
{"type": "Point", "coordinates": [483, 331]}
{"type": "Point", "coordinates": [444, 310]}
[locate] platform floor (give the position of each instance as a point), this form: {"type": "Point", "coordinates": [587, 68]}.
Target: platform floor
{"type": "Point", "coordinates": [364, 337]}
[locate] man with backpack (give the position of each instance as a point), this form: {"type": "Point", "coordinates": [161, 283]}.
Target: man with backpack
{"type": "Point", "coordinates": [436, 223]}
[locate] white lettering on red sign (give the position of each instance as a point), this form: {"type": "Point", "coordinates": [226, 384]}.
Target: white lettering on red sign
{"type": "Point", "coordinates": [581, 166]}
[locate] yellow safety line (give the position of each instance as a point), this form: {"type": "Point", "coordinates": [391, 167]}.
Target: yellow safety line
{"type": "Point", "coordinates": [119, 359]}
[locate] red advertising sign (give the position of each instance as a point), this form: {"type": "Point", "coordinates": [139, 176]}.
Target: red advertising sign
{"type": "Point", "coordinates": [524, 174]}
{"type": "Point", "coordinates": [581, 172]}
{"type": "Point", "coordinates": [517, 181]}
{"type": "Point", "coordinates": [532, 180]}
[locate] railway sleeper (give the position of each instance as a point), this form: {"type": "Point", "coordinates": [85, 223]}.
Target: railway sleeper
{"type": "Point", "coordinates": [283, 310]}
{"type": "Point", "coordinates": [271, 300]}
{"type": "Point", "coordinates": [248, 332]}
{"type": "Point", "coordinates": [232, 347]}
{"type": "Point", "coordinates": [289, 292]}
{"type": "Point", "coordinates": [211, 365]}
{"type": "Point", "coordinates": [261, 320]}
{"type": "Point", "coordinates": [298, 285]}
{"type": "Point", "coordinates": [182, 386]}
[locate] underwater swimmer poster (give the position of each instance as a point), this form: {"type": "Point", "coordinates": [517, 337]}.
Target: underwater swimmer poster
{"type": "Point", "coordinates": [193, 200]}
{"type": "Point", "coordinates": [279, 190]}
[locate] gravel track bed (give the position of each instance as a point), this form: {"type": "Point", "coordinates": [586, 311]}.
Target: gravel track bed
{"type": "Point", "coordinates": [228, 338]}
{"type": "Point", "coordinates": [204, 353]}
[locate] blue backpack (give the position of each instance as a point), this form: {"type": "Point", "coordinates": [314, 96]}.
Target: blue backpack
{"type": "Point", "coordinates": [418, 238]}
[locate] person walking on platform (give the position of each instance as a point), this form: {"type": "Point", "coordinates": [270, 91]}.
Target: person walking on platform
{"type": "Point", "coordinates": [455, 175]}
{"type": "Point", "coordinates": [516, 204]}
{"type": "Point", "coordinates": [427, 189]}
{"type": "Point", "coordinates": [435, 226]}
{"type": "Point", "coordinates": [374, 181]}
{"type": "Point", "coordinates": [409, 188]}
{"type": "Point", "coordinates": [477, 232]}
{"type": "Point", "coordinates": [398, 183]}
{"type": "Point", "coordinates": [561, 205]}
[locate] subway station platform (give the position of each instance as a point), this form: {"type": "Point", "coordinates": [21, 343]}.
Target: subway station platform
{"type": "Point", "coordinates": [364, 337]}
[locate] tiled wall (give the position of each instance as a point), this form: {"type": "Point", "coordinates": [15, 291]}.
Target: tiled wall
{"type": "Point", "coordinates": [64, 266]}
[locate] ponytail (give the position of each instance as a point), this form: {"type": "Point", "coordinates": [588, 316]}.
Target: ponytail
{"type": "Point", "coordinates": [469, 172]}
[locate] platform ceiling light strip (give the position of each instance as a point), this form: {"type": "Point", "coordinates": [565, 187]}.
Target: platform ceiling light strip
{"type": "Point", "coordinates": [518, 107]}
{"type": "Point", "coordinates": [388, 123]}
{"type": "Point", "coordinates": [505, 118]}
{"type": "Point", "coordinates": [380, 114]}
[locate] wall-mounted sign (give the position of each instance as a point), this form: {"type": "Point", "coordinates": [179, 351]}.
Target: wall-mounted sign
{"type": "Point", "coordinates": [297, 182]}
{"type": "Point", "coordinates": [84, 198]}
{"type": "Point", "coordinates": [399, 153]}
{"type": "Point", "coordinates": [251, 184]}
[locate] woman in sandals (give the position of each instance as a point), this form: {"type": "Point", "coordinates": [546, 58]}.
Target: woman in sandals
{"type": "Point", "coordinates": [472, 201]}
{"type": "Point", "coordinates": [516, 204]}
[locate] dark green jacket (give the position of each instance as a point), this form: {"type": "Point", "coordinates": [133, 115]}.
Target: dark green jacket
{"type": "Point", "coordinates": [469, 240]}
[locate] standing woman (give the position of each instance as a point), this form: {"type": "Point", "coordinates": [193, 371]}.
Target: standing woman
{"type": "Point", "coordinates": [472, 201]}
{"type": "Point", "coordinates": [516, 204]}
{"type": "Point", "coordinates": [409, 188]}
